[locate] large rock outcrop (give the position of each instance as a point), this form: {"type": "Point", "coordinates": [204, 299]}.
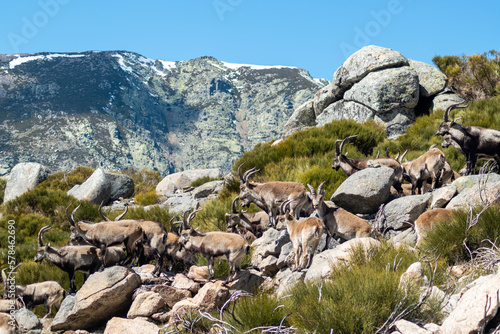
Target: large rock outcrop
{"type": "Point", "coordinates": [374, 83]}
{"type": "Point", "coordinates": [24, 177]}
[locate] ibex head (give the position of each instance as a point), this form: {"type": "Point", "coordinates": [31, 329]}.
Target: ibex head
{"type": "Point", "coordinates": [40, 252]}
{"type": "Point", "coordinates": [245, 185]}
{"type": "Point", "coordinates": [233, 218]}
{"type": "Point", "coordinates": [316, 198]}
{"type": "Point", "coordinates": [339, 157]}
{"type": "Point", "coordinates": [284, 215]}
{"type": "Point", "coordinates": [447, 124]}
{"type": "Point", "coordinates": [187, 231]}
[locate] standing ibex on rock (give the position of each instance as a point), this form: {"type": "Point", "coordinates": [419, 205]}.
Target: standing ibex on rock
{"type": "Point", "coordinates": [212, 245]}
{"type": "Point", "coordinates": [106, 234]}
{"type": "Point", "coordinates": [474, 141]}
{"type": "Point", "coordinates": [256, 222]}
{"type": "Point", "coordinates": [69, 258]}
{"type": "Point", "coordinates": [304, 234]}
{"type": "Point", "coordinates": [269, 196]}
{"type": "Point", "coordinates": [49, 293]}
{"type": "Point", "coordinates": [351, 166]}
{"type": "Point", "coordinates": [337, 220]}
{"type": "Point", "coordinates": [429, 165]}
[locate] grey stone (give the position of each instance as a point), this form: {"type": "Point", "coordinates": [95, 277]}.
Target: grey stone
{"type": "Point", "coordinates": [368, 59]}
{"type": "Point", "coordinates": [268, 266]}
{"type": "Point", "coordinates": [286, 279]}
{"type": "Point", "coordinates": [27, 320]}
{"type": "Point", "coordinates": [407, 327]}
{"type": "Point", "coordinates": [444, 100]}
{"type": "Point", "coordinates": [386, 89]}
{"type": "Point", "coordinates": [185, 178]}
{"type": "Point", "coordinates": [345, 110]}
{"type": "Point", "coordinates": [365, 191]}
{"type": "Point", "coordinates": [146, 304]}
{"type": "Point", "coordinates": [477, 195]}
{"type": "Point", "coordinates": [95, 189]}
{"type": "Point", "coordinates": [396, 121]}
{"type": "Point", "coordinates": [103, 295]}
{"type": "Point", "coordinates": [302, 118]}
{"type": "Point", "coordinates": [401, 212]}
{"type": "Point", "coordinates": [122, 186]}
{"type": "Point", "coordinates": [270, 243]}
{"type": "Point", "coordinates": [130, 326]}
{"type": "Point", "coordinates": [283, 259]}
{"type": "Point", "coordinates": [209, 188]}
{"type": "Point", "coordinates": [470, 181]}
{"type": "Point", "coordinates": [442, 196]}
{"type": "Point", "coordinates": [179, 203]}
{"type": "Point", "coordinates": [24, 177]}
{"type": "Point", "coordinates": [326, 96]}
{"type": "Point", "coordinates": [431, 80]}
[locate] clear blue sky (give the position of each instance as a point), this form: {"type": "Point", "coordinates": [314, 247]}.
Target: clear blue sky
{"type": "Point", "coordinates": [314, 35]}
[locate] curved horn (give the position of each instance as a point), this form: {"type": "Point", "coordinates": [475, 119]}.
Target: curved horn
{"type": "Point", "coordinates": [191, 216]}
{"type": "Point", "coordinates": [397, 155]}
{"type": "Point", "coordinates": [337, 151]}
{"type": "Point", "coordinates": [233, 205]}
{"type": "Point", "coordinates": [184, 224]}
{"type": "Point", "coordinates": [239, 173]}
{"type": "Point", "coordinates": [343, 142]}
{"type": "Point", "coordinates": [249, 173]}
{"type": "Point", "coordinates": [40, 234]}
{"type": "Point", "coordinates": [450, 108]}
{"type": "Point", "coordinates": [311, 189]}
{"type": "Point", "coordinates": [402, 156]}
{"type": "Point", "coordinates": [321, 187]}
{"type": "Point", "coordinates": [102, 214]}
{"type": "Point", "coordinates": [120, 216]}
{"type": "Point", "coordinates": [72, 217]}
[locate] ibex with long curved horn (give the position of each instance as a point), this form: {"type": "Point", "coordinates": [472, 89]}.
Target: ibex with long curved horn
{"type": "Point", "coordinates": [254, 222]}
{"type": "Point", "coordinates": [49, 293]}
{"type": "Point", "coordinates": [69, 258]}
{"type": "Point", "coordinates": [105, 234]}
{"type": "Point", "coordinates": [337, 220]}
{"type": "Point", "coordinates": [269, 196]}
{"type": "Point", "coordinates": [214, 245]}
{"type": "Point", "coordinates": [158, 240]}
{"type": "Point", "coordinates": [351, 166]}
{"type": "Point", "coordinates": [474, 141]}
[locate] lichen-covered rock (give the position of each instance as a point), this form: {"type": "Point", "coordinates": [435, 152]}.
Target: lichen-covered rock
{"type": "Point", "coordinates": [396, 121]}
{"type": "Point", "coordinates": [386, 89]}
{"type": "Point", "coordinates": [365, 190]}
{"type": "Point", "coordinates": [368, 59]}
{"type": "Point", "coordinates": [96, 189]}
{"type": "Point", "coordinates": [302, 118]}
{"type": "Point", "coordinates": [431, 80]}
{"type": "Point", "coordinates": [185, 178]}
{"type": "Point", "coordinates": [24, 177]}
{"type": "Point", "coordinates": [146, 304]}
{"type": "Point", "coordinates": [401, 212]}
{"type": "Point", "coordinates": [326, 96]}
{"type": "Point", "coordinates": [103, 295]}
{"type": "Point", "coordinates": [130, 326]}
{"type": "Point", "coordinates": [345, 110]}
{"type": "Point", "coordinates": [446, 99]}
{"type": "Point", "coordinates": [477, 195]}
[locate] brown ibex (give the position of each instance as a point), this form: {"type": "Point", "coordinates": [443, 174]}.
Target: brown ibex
{"type": "Point", "coordinates": [48, 293]}
{"type": "Point", "coordinates": [474, 141]}
{"type": "Point", "coordinates": [106, 234]}
{"type": "Point", "coordinates": [429, 165]}
{"type": "Point", "coordinates": [304, 234]}
{"type": "Point", "coordinates": [351, 166]}
{"type": "Point", "coordinates": [69, 258]}
{"type": "Point", "coordinates": [255, 222]}
{"type": "Point", "coordinates": [337, 220]}
{"type": "Point", "coordinates": [427, 220]}
{"type": "Point", "coordinates": [269, 196]}
{"type": "Point", "coordinates": [212, 245]}
{"type": "Point", "coordinates": [157, 239]}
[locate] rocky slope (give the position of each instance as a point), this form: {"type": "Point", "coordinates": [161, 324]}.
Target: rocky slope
{"type": "Point", "coordinates": [119, 109]}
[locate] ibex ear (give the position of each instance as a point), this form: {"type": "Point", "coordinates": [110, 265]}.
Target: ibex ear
{"type": "Point", "coordinates": [47, 246]}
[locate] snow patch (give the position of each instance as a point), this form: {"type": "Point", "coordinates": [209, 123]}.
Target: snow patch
{"type": "Point", "coordinates": [234, 66]}
{"type": "Point", "coordinates": [20, 60]}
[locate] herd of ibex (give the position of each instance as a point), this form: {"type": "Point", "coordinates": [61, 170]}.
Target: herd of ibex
{"type": "Point", "coordinates": [93, 246]}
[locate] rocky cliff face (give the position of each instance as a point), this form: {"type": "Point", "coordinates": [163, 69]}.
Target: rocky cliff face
{"type": "Point", "coordinates": [119, 109]}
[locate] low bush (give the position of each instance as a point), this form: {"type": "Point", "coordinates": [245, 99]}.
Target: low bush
{"type": "Point", "coordinates": [144, 180]}
{"type": "Point", "coordinates": [148, 198]}
{"type": "Point", "coordinates": [202, 180]}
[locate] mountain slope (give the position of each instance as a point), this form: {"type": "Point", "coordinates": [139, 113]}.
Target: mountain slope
{"type": "Point", "coordinates": [118, 109]}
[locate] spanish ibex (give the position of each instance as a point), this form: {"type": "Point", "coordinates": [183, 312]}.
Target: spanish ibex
{"type": "Point", "coordinates": [105, 234]}
{"type": "Point", "coordinates": [269, 196]}
{"type": "Point", "coordinates": [474, 141]}
{"type": "Point", "coordinates": [255, 222]}
{"type": "Point", "coordinates": [337, 220]}
{"type": "Point", "coordinates": [49, 293]}
{"type": "Point", "coordinates": [69, 258]}
{"type": "Point", "coordinates": [157, 239]}
{"type": "Point", "coordinates": [212, 245]}
{"type": "Point", "coordinates": [304, 234]}
{"type": "Point", "coordinates": [429, 165]}
{"type": "Point", "coordinates": [351, 166]}
{"type": "Point", "coordinates": [427, 220]}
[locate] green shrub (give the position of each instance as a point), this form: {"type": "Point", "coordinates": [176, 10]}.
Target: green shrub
{"type": "Point", "coordinates": [447, 238]}
{"type": "Point", "coordinates": [202, 180]}
{"type": "Point", "coordinates": [64, 181]}
{"type": "Point", "coordinates": [144, 180]}
{"type": "Point", "coordinates": [358, 298]}
{"type": "Point", "coordinates": [3, 183]}
{"type": "Point", "coordinates": [148, 198]}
